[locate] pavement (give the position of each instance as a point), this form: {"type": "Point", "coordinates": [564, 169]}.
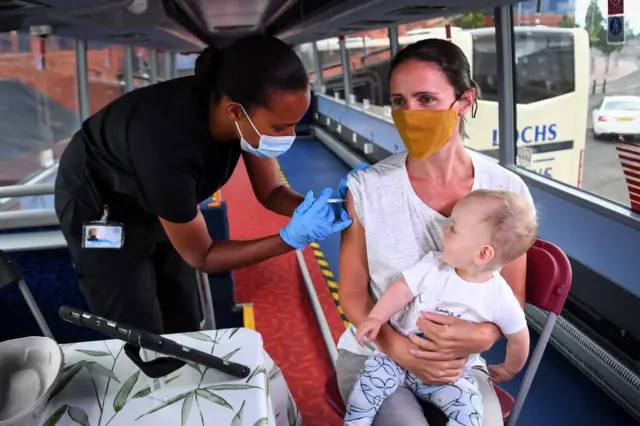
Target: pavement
{"type": "Point", "coordinates": [617, 68]}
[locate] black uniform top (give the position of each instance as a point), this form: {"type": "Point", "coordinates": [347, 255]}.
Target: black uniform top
{"type": "Point", "coordinates": [147, 154]}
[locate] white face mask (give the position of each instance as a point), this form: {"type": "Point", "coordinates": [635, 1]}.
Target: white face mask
{"type": "Point", "coordinates": [269, 146]}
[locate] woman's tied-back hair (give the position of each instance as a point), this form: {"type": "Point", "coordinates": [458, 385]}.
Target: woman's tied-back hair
{"type": "Point", "coordinates": [513, 221]}
{"type": "Point", "coordinates": [450, 59]}
{"type": "Point", "coordinates": [250, 70]}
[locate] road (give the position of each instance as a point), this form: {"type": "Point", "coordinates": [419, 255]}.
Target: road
{"type": "Point", "coordinates": [602, 173]}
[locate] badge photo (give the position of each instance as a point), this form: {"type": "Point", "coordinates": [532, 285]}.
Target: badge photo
{"type": "Point", "coordinates": [102, 235]}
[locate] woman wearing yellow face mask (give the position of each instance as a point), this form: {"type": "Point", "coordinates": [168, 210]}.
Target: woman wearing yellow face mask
{"type": "Point", "coordinates": [399, 207]}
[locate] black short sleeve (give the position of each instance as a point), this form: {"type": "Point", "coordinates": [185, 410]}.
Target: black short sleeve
{"type": "Point", "coordinates": [164, 171]}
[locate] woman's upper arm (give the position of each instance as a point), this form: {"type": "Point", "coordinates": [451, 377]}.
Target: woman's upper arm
{"type": "Point", "coordinates": [515, 274]}
{"type": "Point", "coordinates": [353, 268]}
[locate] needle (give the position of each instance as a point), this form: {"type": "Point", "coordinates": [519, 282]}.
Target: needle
{"type": "Point", "coordinates": [335, 200]}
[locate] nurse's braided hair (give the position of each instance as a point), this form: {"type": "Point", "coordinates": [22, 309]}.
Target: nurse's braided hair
{"type": "Point", "coordinates": [207, 65]}
{"type": "Point", "coordinates": [250, 69]}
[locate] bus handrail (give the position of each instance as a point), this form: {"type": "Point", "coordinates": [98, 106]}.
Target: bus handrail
{"type": "Point", "coordinates": [143, 77]}
{"type": "Point", "coordinates": [364, 57]}
{"type": "Point", "coordinates": [32, 241]}
{"type": "Point", "coordinates": [321, 319]}
{"type": "Point", "coordinates": [28, 218]}
{"type": "Point", "coordinates": [26, 190]}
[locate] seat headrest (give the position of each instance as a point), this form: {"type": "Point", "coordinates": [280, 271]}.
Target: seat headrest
{"type": "Point", "coordinates": [548, 276]}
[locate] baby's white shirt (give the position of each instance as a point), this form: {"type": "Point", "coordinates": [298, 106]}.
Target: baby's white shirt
{"type": "Point", "coordinates": [438, 288]}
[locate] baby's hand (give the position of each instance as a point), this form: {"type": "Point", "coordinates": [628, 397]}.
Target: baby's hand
{"type": "Point", "coordinates": [369, 329]}
{"type": "Point", "coordinates": [499, 374]}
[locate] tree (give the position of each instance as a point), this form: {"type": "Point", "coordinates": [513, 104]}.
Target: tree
{"type": "Point", "coordinates": [593, 22]}
{"type": "Point", "coordinates": [628, 31]}
{"type": "Point", "coordinates": [567, 22]}
{"type": "Point", "coordinates": [470, 20]}
{"type": "Point", "coordinates": [605, 48]}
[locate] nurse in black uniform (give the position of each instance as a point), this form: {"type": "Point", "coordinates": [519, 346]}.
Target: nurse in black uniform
{"type": "Point", "coordinates": [130, 180]}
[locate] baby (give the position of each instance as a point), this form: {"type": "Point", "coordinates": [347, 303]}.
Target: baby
{"type": "Point", "coordinates": [487, 229]}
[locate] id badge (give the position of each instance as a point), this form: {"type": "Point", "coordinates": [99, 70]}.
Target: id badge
{"type": "Point", "coordinates": [102, 235]}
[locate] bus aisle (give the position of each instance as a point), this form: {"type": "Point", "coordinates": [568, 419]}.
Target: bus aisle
{"type": "Point", "coordinates": [309, 165]}
{"type": "Point", "coordinates": [560, 394]}
{"type": "Point", "coordinates": [283, 312]}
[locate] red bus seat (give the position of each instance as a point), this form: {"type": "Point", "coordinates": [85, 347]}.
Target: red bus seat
{"type": "Point", "coordinates": [548, 283]}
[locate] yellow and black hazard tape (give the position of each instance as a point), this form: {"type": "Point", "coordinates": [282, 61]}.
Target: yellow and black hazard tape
{"type": "Point", "coordinates": [330, 280]}
{"type": "Point", "coordinates": [327, 273]}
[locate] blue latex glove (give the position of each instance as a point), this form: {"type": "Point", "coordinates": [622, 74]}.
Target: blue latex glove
{"type": "Point", "coordinates": [312, 221]}
{"type": "Point", "coordinates": [341, 191]}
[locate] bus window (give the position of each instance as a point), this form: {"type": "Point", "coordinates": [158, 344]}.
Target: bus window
{"type": "Point", "coordinates": [39, 104]}
{"type": "Point", "coordinates": [544, 65]}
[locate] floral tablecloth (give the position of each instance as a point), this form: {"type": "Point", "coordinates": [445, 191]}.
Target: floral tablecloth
{"type": "Point", "coordinates": [100, 386]}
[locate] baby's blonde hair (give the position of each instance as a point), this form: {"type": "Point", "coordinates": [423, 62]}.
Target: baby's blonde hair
{"type": "Point", "coordinates": [513, 221]}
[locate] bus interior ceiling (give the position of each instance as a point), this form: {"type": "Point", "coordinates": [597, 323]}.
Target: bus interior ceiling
{"type": "Point", "coordinates": [188, 25]}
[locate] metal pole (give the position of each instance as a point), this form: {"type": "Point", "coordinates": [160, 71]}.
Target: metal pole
{"type": "Point", "coordinates": [519, 14]}
{"type": "Point", "coordinates": [506, 85]}
{"type": "Point", "coordinates": [393, 41]}
{"type": "Point", "coordinates": [167, 66]}
{"type": "Point", "coordinates": [318, 63]}
{"type": "Point", "coordinates": [532, 368]}
{"type": "Point", "coordinates": [317, 309]}
{"type": "Point", "coordinates": [33, 306]}
{"type": "Point", "coordinates": [174, 65]}
{"type": "Point", "coordinates": [153, 64]}
{"type": "Point", "coordinates": [346, 69]}
{"type": "Point", "coordinates": [204, 290]}
{"type": "Point", "coordinates": [83, 80]}
{"type": "Point", "coordinates": [128, 69]}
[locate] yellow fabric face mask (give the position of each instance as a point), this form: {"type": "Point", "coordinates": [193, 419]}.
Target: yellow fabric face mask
{"type": "Point", "coordinates": [425, 131]}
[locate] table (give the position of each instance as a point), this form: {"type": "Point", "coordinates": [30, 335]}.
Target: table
{"type": "Point", "coordinates": [100, 386]}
